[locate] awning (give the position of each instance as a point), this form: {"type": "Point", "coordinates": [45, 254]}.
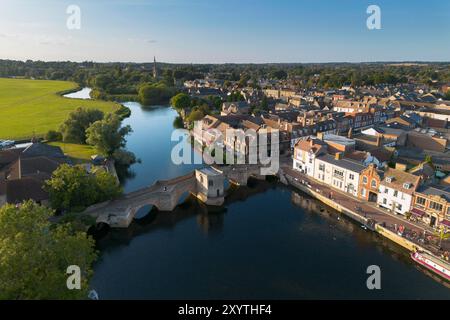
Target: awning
{"type": "Point", "coordinates": [445, 223]}
{"type": "Point", "coordinates": [417, 212]}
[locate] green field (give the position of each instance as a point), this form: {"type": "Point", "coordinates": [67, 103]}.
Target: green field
{"type": "Point", "coordinates": [79, 153]}
{"type": "Point", "coordinates": [32, 107]}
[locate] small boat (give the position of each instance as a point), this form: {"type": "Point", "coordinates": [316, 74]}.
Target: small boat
{"type": "Point", "coordinates": [432, 263]}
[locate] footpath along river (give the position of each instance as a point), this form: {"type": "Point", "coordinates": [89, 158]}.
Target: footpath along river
{"type": "Point", "coordinates": [270, 242]}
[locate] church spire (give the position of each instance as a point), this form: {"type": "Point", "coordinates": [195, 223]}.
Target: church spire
{"type": "Point", "coordinates": [155, 74]}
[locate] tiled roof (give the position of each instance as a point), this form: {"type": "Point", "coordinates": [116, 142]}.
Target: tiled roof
{"type": "Point", "coordinates": [25, 189]}
{"type": "Point", "coordinates": [399, 178]}
{"type": "Point", "coordinates": [343, 163]}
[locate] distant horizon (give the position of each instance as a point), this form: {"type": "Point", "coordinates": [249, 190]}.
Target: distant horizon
{"type": "Point", "coordinates": [225, 31]}
{"type": "Point", "coordinates": [236, 63]}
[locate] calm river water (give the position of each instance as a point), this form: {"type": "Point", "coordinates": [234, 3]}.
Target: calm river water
{"type": "Point", "coordinates": [269, 242]}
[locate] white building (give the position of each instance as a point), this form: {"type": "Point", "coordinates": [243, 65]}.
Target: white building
{"type": "Point", "coordinates": [339, 173]}
{"type": "Point", "coordinates": [305, 152]}
{"type": "Point", "coordinates": [396, 190]}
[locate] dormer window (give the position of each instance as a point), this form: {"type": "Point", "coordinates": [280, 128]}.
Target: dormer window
{"type": "Point", "coordinates": [407, 185]}
{"type": "Point", "coordinates": [389, 179]}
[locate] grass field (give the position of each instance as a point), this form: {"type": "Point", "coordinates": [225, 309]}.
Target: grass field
{"type": "Point", "coordinates": [30, 107]}
{"type": "Point", "coordinates": [79, 153]}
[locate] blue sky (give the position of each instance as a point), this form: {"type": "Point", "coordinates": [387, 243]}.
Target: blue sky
{"type": "Point", "coordinates": [218, 31]}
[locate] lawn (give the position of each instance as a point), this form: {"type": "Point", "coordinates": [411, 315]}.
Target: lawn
{"type": "Point", "coordinates": [32, 107]}
{"type": "Point", "coordinates": [79, 153]}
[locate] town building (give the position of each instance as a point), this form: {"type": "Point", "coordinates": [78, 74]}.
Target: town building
{"type": "Point", "coordinates": [431, 205]}
{"type": "Point", "coordinates": [305, 153]}
{"type": "Point", "coordinates": [396, 190]}
{"type": "Point", "coordinates": [338, 172]}
{"type": "Point", "coordinates": [369, 183]}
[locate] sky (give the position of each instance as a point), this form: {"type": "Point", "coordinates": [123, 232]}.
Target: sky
{"type": "Point", "coordinates": [225, 31]}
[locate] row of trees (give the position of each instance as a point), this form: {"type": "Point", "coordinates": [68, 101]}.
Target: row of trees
{"type": "Point", "coordinates": [116, 79]}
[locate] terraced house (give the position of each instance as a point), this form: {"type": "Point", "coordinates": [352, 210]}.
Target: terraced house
{"type": "Point", "coordinates": [396, 190]}
{"type": "Point", "coordinates": [338, 172]}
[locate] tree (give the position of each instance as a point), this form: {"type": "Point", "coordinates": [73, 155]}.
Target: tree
{"type": "Point", "coordinates": [74, 128]}
{"type": "Point", "coordinates": [195, 115]}
{"type": "Point", "coordinates": [72, 188]}
{"type": "Point", "coordinates": [264, 104]}
{"type": "Point", "coordinates": [35, 255]}
{"type": "Point", "coordinates": [107, 135]}
{"type": "Point", "coordinates": [53, 135]}
{"type": "Point", "coordinates": [150, 94]}
{"type": "Point", "coordinates": [279, 74]}
{"type": "Point", "coordinates": [180, 101]}
{"type": "Point", "coordinates": [178, 123]}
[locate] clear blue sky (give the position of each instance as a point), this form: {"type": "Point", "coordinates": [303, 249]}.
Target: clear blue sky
{"type": "Point", "coordinates": [217, 31]}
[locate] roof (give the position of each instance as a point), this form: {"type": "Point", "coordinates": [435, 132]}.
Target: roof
{"type": "Point", "coordinates": [399, 179]}
{"type": "Point", "coordinates": [41, 167]}
{"type": "Point", "coordinates": [343, 163]}
{"type": "Point", "coordinates": [25, 189]}
{"type": "Point", "coordinates": [209, 171]}
{"type": "Point", "coordinates": [310, 145]}
{"type": "Point", "coordinates": [41, 149]}
{"type": "Point", "coordinates": [443, 192]}
{"type": "Point", "coordinates": [338, 139]}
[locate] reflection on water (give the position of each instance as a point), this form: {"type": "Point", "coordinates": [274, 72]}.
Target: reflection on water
{"type": "Point", "coordinates": [84, 94]}
{"type": "Point", "coordinates": [268, 241]}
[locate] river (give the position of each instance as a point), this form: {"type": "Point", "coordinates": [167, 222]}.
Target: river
{"type": "Point", "coordinates": [269, 242]}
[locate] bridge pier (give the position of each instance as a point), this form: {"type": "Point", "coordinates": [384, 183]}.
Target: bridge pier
{"type": "Point", "coordinates": [206, 184]}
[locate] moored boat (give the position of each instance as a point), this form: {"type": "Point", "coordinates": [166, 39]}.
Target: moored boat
{"type": "Point", "coordinates": [432, 263]}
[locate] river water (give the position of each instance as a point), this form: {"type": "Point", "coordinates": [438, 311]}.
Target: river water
{"type": "Point", "coordinates": [269, 242]}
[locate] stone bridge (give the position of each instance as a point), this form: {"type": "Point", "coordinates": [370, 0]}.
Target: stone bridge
{"type": "Point", "coordinates": [206, 184]}
{"type": "Point", "coordinates": [239, 174]}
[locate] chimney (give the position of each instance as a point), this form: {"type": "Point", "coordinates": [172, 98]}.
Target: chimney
{"type": "Point", "coordinates": [338, 156]}
{"type": "Point", "coordinates": [350, 133]}
{"type": "Point", "coordinates": [320, 135]}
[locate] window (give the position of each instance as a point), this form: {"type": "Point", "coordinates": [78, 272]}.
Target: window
{"type": "Point", "coordinates": [321, 167]}
{"type": "Point", "coordinates": [435, 206]}
{"type": "Point", "coordinates": [363, 192]}
{"type": "Point", "coordinates": [351, 176]}
{"type": "Point", "coordinates": [310, 160]}
{"type": "Point", "coordinates": [365, 180]}
{"type": "Point", "coordinates": [420, 201]}
{"type": "Point", "coordinates": [210, 183]}
{"type": "Point", "coordinates": [395, 193]}
{"type": "Point", "coordinates": [373, 183]}
{"type": "Point", "coordinates": [399, 207]}
{"type": "Point", "coordinates": [384, 201]}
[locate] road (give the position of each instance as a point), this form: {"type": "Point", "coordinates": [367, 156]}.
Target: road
{"type": "Point", "coordinates": [370, 211]}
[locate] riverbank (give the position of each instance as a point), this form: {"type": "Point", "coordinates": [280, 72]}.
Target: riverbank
{"type": "Point", "coordinates": [364, 213]}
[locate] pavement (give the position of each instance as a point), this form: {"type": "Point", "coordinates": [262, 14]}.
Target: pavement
{"type": "Point", "coordinates": [413, 231]}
